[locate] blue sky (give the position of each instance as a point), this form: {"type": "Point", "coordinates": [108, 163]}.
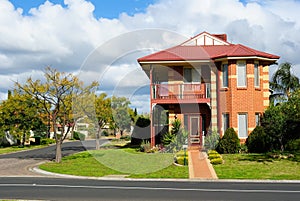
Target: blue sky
{"type": "Point", "coordinates": [103, 8]}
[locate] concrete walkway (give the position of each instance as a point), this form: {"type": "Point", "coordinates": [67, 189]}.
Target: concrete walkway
{"type": "Point", "coordinates": [200, 167]}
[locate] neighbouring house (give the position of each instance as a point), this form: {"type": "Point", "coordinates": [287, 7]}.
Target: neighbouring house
{"type": "Point", "coordinates": [209, 84]}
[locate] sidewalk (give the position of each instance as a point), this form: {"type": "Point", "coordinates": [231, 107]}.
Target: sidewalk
{"type": "Point", "coordinates": [199, 166]}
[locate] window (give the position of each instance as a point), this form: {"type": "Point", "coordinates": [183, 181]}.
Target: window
{"type": "Point", "coordinates": [225, 122]}
{"type": "Point", "coordinates": [256, 75]}
{"type": "Point", "coordinates": [191, 75]}
{"type": "Point", "coordinates": [243, 125]}
{"type": "Point", "coordinates": [225, 75]}
{"type": "Point", "coordinates": [241, 74]}
{"type": "Point", "coordinates": [257, 119]}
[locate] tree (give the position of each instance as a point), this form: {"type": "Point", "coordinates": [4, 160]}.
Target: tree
{"type": "Point", "coordinates": [20, 114]}
{"type": "Point", "coordinates": [257, 141]}
{"type": "Point", "coordinates": [121, 116]}
{"type": "Point", "coordinates": [274, 123]}
{"type": "Point", "coordinates": [283, 81]}
{"type": "Point", "coordinates": [55, 95]}
{"type": "Point", "coordinates": [103, 114]}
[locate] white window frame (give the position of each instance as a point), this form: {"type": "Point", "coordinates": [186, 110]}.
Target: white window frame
{"type": "Point", "coordinates": [256, 75]}
{"type": "Point", "coordinates": [257, 119]}
{"type": "Point", "coordinates": [242, 132]}
{"type": "Point", "coordinates": [224, 120]}
{"type": "Point", "coordinates": [225, 76]}
{"type": "Point", "coordinates": [241, 65]}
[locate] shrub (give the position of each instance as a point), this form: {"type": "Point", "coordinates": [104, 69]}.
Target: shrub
{"type": "Point", "coordinates": [216, 161]}
{"type": "Point", "coordinates": [212, 152]}
{"type": "Point", "coordinates": [213, 156]}
{"type": "Point", "coordinates": [146, 147]}
{"type": "Point", "coordinates": [105, 133]}
{"type": "Point", "coordinates": [141, 131]}
{"type": "Point", "coordinates": [47, 141]}
{"type": "Point", "coordinates": [257, 141]}
{"type": "Point", "coordinates": [181, 159]}
{"type": "Point", "coordinates": [229, 143]}
{"type": "Point", "coordinates": [211, 141]}
{"type": "Point", "coordinates": [293, 145]}
{"type": "Point", "coordinates": [79, 136]}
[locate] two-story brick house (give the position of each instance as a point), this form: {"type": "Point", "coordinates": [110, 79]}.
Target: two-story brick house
{"type": "Point", "coordinates": [209, 84]}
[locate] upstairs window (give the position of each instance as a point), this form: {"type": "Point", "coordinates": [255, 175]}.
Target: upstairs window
{"type": "Point", "coordinates": [256, 75]}
{"type": "Point", "coordinates": [191, 75]}
{"type": "Point", "coordinates": [241, 74]}
{"type": "Point", "coordinates": [225, 75]}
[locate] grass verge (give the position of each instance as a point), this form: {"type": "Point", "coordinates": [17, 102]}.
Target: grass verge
{"type": "Point", "coordinates": [12, 149]}
{"type": "Point", "coordinates": [258, 166]}
{"type": "Point", "coordinates": [118, 162]}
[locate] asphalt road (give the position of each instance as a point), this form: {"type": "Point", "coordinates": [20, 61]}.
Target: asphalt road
{"type": "Point", "coordinates": [79, 189]}
{"type": "Point", "coordinates": [48, 153]}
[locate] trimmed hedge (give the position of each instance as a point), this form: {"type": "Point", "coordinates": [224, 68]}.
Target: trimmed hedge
{"type": "Point", "coordinates": [216, 161]}
{"type": "Point", "coordinates": [229, 143]}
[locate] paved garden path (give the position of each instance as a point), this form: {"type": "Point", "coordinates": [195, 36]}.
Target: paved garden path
{"type": "Point", "coordinates": [199, 166]}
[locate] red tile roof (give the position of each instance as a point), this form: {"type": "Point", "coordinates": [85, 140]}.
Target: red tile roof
{"type": "Point", "coordinates": [206, 52]}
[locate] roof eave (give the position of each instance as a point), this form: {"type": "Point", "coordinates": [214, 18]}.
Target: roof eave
{"type": "Point", "coordinates": [246, 57]}
{"type": "Point", "coordinates": [174, 61]}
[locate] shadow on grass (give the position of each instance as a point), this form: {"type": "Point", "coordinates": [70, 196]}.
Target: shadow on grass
{"type": "Point", "coordinates": [270, 157]}
{"type": "Point", "coordinates": [256, 158]}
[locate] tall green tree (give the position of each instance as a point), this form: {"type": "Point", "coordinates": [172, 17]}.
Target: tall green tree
{"type": "Point", "coordinates": [20, 114]}
{"type": "Point", "coordinates": [103, 114]}
{"type": "Point", "coordinates": [283, 81]}
{"type": "Point", "coordinates": [121, 116]}
{"type": "Point", "coordinates": [55, 94]}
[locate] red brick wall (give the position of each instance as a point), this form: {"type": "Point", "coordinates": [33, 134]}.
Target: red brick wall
{"type": "Point", "coordinates": [249, 99]}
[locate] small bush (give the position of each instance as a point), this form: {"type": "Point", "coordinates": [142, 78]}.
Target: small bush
{"type": "Point", "coordinates": [212, 152]}
{"type": "Point", "coordinates": [216, 161]}
{"type": "Point", "coordinates": [47, 141]}
{"type": "Point", "coordinates": [229, 143]}
{"type": "Point", "coordinates": [211, 141]}
{"type": "Point", "coordinates": [257, 141]}
{"type": "Point", "coordinates": [213, 156]}
{"type": "Point", "coordinates": [181, 159]}
{"type": "Point", "coordinates": [105, 133]}
{"type": "Point", "coordinates": [79, 136]}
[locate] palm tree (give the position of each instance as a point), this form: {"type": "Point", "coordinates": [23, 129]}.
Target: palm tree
{"type": "Point", "coordinates": [283, 81]}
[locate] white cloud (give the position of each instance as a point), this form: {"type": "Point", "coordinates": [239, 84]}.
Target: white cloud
{"type": "Point", "coordinates": [69, 37]}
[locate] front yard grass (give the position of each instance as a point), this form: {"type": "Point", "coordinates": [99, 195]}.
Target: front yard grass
{"type": "Point", "coordinates": [6, 150]}
{"type": "Point", "coordinates": [258, 166]}
{"type": "Point", "coordinates": [123, 161]}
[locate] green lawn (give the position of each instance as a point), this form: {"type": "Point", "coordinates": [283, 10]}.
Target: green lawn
{"type": "Point", "coordinates": [125, 161]}
{"type": "Point", "coordinates": [16, 148]}
{"type": "Point", "coordinates": [258, 166]}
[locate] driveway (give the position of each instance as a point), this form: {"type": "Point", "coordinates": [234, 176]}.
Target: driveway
{"type": "Point", "coordinates": [19, 163]}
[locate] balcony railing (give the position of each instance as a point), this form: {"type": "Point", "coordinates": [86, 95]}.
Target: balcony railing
{"type": "Point", "coordinates": [186, 91]}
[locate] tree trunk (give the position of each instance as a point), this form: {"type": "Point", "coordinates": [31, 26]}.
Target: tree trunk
{"type": "Point", "coordinates": [24, 139]}
{"type": "Point", "coordinates": [58, 155]}
{"type": "Point", "coordinates": [97, 138]}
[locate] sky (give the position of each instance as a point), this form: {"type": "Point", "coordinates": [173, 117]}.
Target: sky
{"type": "Point", "coordinates": [101, 40]}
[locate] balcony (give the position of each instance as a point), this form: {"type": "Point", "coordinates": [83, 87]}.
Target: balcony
{"type": "Point", "coordinates": [186, 92]}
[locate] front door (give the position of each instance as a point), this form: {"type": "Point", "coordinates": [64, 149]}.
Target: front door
{"type": "Point", "coordinates": [195, 131]}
